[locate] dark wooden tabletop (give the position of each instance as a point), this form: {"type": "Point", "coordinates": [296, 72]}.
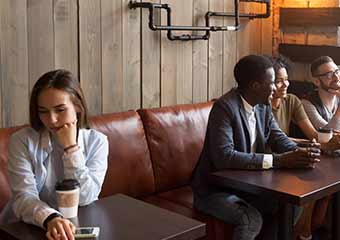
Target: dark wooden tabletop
{"type": "Point", "coordinates": [296, 186]}
{"type": "Point", "coordinates": [123, 218]}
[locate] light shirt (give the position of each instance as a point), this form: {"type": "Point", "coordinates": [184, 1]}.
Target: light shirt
{"type": "Point", "coordinates": [251, 119]}
{"type": "Point", "coordinates": [332, 120]}
{"type": "Point", "coordinates": [250, 114]}
{"type": "Point", "coordinates": [36, 161]}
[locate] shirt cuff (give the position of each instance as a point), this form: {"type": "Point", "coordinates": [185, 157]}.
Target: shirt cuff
{"type": "Point", "coordinates": [74, 159]}
{"type": "Point", "coordinates": [74, 164]}
{"type": "Point", "coordinates": [267, 161]}
{"type": "Point", "coordinates": [42, 215]}
{"type": "Point", "coordinates": [50, 217]}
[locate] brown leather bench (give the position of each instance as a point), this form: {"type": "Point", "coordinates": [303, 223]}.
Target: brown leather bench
{"type": "Point", "coordinates": [151, 157]}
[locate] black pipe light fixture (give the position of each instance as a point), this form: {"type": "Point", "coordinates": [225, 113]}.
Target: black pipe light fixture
{"type": "Point", "coordinates": [133, 4]}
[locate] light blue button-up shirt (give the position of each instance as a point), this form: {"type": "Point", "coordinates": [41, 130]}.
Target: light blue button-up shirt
{"type": "Point", "coordinates": [37, 161]}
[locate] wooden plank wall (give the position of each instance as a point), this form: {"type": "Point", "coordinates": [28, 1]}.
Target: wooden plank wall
{"type": "Point", "coordinates": [313, 35]}
{"type": "Point", "coordinates": [120, 62]}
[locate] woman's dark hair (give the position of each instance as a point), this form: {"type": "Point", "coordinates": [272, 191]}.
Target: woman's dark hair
{"type": "Point", "coordinates": [62, 80]}
{"type": "Point", "coordinates": [314, 67]}
{"type": "Point", "coordinates": [279, 62]}
{"type": "Point", "coordinates": [250, 69]}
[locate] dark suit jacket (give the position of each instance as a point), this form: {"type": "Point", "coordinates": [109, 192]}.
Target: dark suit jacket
{"type": "Point", "coordinates": [227, 140]}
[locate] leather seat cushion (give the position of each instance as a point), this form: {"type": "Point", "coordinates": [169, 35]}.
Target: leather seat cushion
{"type": "Point", "coordinates": [182, 196]}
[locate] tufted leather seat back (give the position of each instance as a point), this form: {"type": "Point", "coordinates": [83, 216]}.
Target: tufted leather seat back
{"type": "Point", "coordinates": [175, 136]}
{"type": "Point", "coordinates": [129, 165]}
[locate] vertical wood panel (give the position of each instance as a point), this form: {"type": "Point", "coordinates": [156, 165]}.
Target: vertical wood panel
{"type": "Point", "coordinates": [229, 50]}
{"type": "Point", "coordinates": [267, 33]}
{"type": "Point", "coordinates": [255, 27]}
{"type": "Point", "coordinates": [14, 68]}
{"type": "Point", "coordinates": [216, 53]}
{"type": "Point", "coordinates": [200, 55]}
{"type": "Point", "coordinates": [90, 53]}
{"type": "Point", "coordinates": [150, 61]}
{"type": "Point", "coordinates": [112, 56]}
{"type": "Point", "coordinates": [249, 37]}
{"type": "Point", "coordinates": [131, 57]}
{"type": "Point", "coordinates": [66, 35]}
{"type": "Point", "coordinates": [243, 41]}
{"type": "Point", "coordinates": [275, 26]}
{"type": "Point", "coordinates": [40, 38]}
{"type": "Point", "coordinates": [176, 58]}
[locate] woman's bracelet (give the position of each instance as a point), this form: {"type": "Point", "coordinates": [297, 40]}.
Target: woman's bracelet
{"type": "Point", "coordinates": [70, 147]}
{"type": "Point", "coordinates": [50, 217]}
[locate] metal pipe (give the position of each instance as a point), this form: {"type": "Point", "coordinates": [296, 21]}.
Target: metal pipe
{"type": "Point", "coordinates": [133, 4]}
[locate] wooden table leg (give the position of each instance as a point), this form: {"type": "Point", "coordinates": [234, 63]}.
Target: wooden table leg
{"type": "Point", "coordinates": [286, 222]}
{"type": "Point", "coordinates": [336, 216]}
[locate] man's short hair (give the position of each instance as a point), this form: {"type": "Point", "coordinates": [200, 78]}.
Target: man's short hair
{"type": "Point", "coordinates": [314, 67]}
{"type": "Point", "coordinates": [250, 69]}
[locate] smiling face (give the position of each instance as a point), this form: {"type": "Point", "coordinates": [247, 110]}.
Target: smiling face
{"type": "Point", "coordinates": [55, 108]}
{"type": "Point", "coordinates": [263, 90]}
{"type": "Point", "coordinates": [281, 83]}
{"type": "Point", "coordinates": [328, 76]}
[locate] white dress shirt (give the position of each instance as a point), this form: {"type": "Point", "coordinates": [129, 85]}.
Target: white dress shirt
{"type": "Point", "coordinates": [250, 114]}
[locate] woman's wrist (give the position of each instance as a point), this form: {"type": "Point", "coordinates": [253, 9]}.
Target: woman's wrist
{"type": "Point", "coordinates": [70, 148]}
{"type": "Point", "coordinates": [50, 217]}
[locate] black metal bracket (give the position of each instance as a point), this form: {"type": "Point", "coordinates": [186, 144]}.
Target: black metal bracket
{"type": "Point", "coordinates": [133, 4]}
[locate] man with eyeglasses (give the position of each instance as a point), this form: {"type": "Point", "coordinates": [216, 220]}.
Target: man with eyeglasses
{"type": "Point", "coordinates": [322, 106]}
{"type": "Point", "coordinates": [323, 109]}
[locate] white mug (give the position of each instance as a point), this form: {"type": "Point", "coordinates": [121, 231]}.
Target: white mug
{"type": "Point", "coordinates": [324, 135]}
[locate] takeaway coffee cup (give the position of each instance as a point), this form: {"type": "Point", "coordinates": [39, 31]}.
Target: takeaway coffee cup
{"type": "Point", "coordinates": [324, 135]}
{"type": "Point", "coordinates": [67, 193]}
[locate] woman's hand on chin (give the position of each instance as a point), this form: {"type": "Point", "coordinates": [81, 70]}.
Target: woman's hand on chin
{"type": "Point", "coordinates": [67, 134]}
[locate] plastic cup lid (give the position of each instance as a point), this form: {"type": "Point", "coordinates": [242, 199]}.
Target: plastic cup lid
{"type": "Point", "coordinates": [325, 130]}
{"type": "Point", "coordinates": [67, 184]}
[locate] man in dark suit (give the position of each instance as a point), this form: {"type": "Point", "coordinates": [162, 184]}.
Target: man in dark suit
{"type": "Point", "coordinates": [240, 127]}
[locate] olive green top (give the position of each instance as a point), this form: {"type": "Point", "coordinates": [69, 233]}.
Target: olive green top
{"type": "Point", "coordinates": [290, 109]}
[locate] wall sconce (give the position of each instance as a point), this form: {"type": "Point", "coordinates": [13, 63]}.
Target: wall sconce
{"type": "Point", "coordinates": [207, 28]}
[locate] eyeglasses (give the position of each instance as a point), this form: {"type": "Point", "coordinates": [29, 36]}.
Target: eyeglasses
{"type": "Point", "coordinates": [329, 75]}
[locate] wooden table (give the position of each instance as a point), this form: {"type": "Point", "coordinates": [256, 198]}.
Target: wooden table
{"type": "Point", "coordinates": [289, 186]}
{"type": "Point", "coordinates": [121, 218]}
